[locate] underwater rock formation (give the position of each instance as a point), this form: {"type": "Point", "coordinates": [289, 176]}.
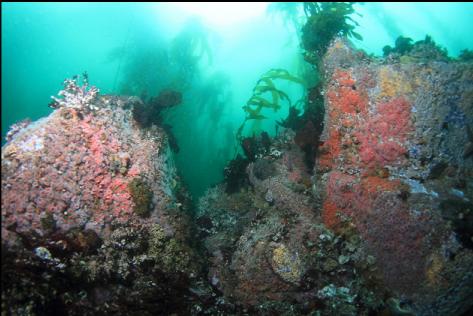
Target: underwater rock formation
{"type": "Point", "coordinates": [383, 223]}
{"type": "Point", "coordinates": [268, 251]}
{"type": "Point", "coordinates": [90, 219]}
{"type": "Point", "coordinates": [393, 165]}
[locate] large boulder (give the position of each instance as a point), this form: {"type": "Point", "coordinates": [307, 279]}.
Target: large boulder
{"type": "Point", "coordinates": [91, 223]}
{"type": "Point", "coordinates": [396, 163]}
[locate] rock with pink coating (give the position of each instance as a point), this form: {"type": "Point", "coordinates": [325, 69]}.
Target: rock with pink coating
{"type": "Point", "coordinates": [394, 163]}
{"type": "Point", "coordinates": [90, 218]}
{"type": "Point", "coordinates": [75, 171]}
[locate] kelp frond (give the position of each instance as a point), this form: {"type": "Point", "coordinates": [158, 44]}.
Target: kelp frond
{"type": "Point", "coordinates": [267, 95]}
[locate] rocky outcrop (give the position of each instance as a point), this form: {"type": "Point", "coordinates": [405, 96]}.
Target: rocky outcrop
{"type": "Point", "coordinates": [383, 224]}
{"type": "Point", "coordinates": [268, 251]}
{"type": "Point", "coordinates": [90, 219]}
{"type": "Point", "coordinates": [395, 163]}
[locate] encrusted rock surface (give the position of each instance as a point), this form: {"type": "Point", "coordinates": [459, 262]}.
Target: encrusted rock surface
{"type": "Point", "coordinates": [382, 225]}
{"type": "Point", "coordinates": [90, 219]}
{"type": "Point", "coordinates": [384, 222]}
{"type": "Point", "coordinates": [269, 252]}
{"type": "Point", "coordinates": [76, 169]}
{"type": "Point", "coordinates": [395, 163]}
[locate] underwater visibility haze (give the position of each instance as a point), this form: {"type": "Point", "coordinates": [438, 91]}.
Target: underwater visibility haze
{"type": "Point", "coordinates": [306, 158]}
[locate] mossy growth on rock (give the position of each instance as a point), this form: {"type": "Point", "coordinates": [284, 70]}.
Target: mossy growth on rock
{"type": "Point", "coordinates": [169, 253]}
{"type": "Point", "coordinates": [48, 223]}
{"type": "Point", "coordinates": [142, 196]}
{"type": "Point", "coordinates": [286, 264]}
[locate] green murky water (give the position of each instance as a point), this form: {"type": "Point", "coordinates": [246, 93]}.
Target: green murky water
{"type": "Point", "coordinates": [212, 54]}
